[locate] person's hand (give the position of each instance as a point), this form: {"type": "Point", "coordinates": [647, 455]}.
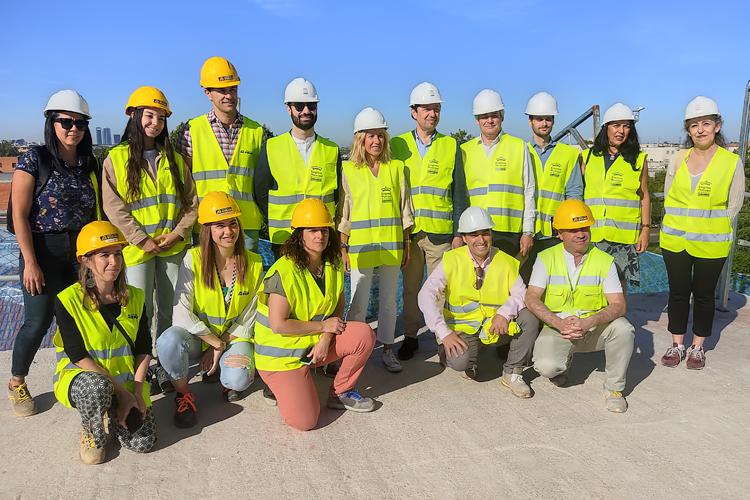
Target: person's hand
{"type": "Point", "coordinates": [210, 360]}
{"type": "Point", "coordinates": [406, 256]}
{"type": "Point", "coordinates": [499, 325]}
{"type": "Point", "coordinates": [526, 243]}
{"type": "Point", "coordinates": [33, 278]}
{"type": "Point", "coordinates": [570, 328]}
{"type": "Point", "coordinates": [333, 325]}
{"type": "Point", "coordinates": [643, 240]}
{"type": "Point", "coordinates": [140, 403]}
{"type": "Point", "coordinates": [347, 261]}
{"type": "Point", "coordinates": [167, 241]}
{"type": "Point", "coordinates": [320, 349]}
{"type": "Point", "coordinates": [126, 401]}
{"type": "Point", "coordinates": [457, 242]}
{"type": "Point", "coordinates": [454, 346]}
{"type": "Point", "coordinates": [151, 246]}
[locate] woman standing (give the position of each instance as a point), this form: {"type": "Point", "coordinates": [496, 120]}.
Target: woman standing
{"type": "Point", "coordinates": [150, 196]}
{"type": "Point", "coordinates": [615, 177]}
{"type": "Point", "coordinates": [54, 194]}
{"type": "Point", "coordinates": [103, 348]}
{"type": "Point", "coordinates": [374, 220]}
{"type": "Point", "coordinates": [299, 322]}
{"type": "Point", "coordinates": [215, 308]}
{"type": "Point", "coordinates": [704, 192]}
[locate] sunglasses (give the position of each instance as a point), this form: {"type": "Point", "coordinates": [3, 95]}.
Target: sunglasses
{"type": "Point", "coordinates": [480, 277]}
{"type": "Point", "coordinates": [67, 123]}
{"type": "Point", "coordinates": [300, 106]}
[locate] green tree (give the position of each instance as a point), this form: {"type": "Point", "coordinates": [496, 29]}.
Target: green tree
{"type": "Point", "coordinates": [175, 133]}
{"type": "Point", "coordinates": [462, 136]}
{"type": "Point", "coordinates": [7, 148]}
{"type": "Point", "coordinates": [267, 134]}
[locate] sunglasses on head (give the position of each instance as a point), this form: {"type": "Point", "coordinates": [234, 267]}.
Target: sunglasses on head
{"type": "Point", "coordinates": [300, 106]}
{"type": "Point", "coordinates": [67, 123]}
{"type": "Point", "coordinates": [480, 277]}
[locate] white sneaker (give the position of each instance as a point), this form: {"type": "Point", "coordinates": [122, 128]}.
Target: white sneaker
{"type": "Point", "coordinates": [391, 362]}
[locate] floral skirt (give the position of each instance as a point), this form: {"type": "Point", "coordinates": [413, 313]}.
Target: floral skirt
{"type": "Point", "coordinates": [626, 261]}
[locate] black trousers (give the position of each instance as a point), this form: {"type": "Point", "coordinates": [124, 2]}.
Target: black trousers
{"type": "Point", "coordinates": [691, 275]}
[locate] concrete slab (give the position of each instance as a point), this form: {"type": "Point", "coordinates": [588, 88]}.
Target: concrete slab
{"type": "Point", "coordinates": [434, 434]}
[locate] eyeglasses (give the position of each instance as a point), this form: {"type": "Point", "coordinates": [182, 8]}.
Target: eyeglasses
{"type": "Point", "coordinates": [300, 106]}
{"type": "Point", "coordinates": [67, 123]}
{"type": "Point", "coordinates": [480, 277]}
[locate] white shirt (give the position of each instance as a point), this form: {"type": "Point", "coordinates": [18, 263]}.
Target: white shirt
{"type": "Point", "coordinates": [305, 147]}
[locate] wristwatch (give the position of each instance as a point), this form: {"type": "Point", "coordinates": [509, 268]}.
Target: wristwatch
{"type": "Point", "coordinates": [529, 233]}
{"type": "Point", "coordinates": [344, 245]}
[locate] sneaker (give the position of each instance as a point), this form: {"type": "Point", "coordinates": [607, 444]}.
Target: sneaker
{"type": "Point", "coordinates": [153, 383]}
{"type": "Point", "coordinates": [514, 381]}
{"type": "Point", "coordinates": [269, 397]}
{"type": "Point", "coordinates": [673, 356]}
{"type": "Point", "coordinates": [470, 373]}
{"type": "Point", "coordinates": [392, 364]}
{"type": "Point", "coordinates": [162, 378]}
{"type": "Point", "coordinates": [213, 378]}
{"type": "Point", "coordinates": [560, 380]}
{"type": "Point", "coordinates": [408, 348]}
{"type": "Point", "coordinates": [185, 414]}
{"type": "Point", "coordinates": [696, 358]}
{"type": "Point", "coordinates": [230, 395]}
{"type": "Point", "coordinates": [21, 400]}
{"type": "Point", "coordinates": [331, 369]}
{"type": "Point", "coordinates": [351, 400]}
{"type": "Point", "coordinates": [615, 401]}
{"type": "Point", "coordinates": [441, 356]}
{"type": "Point", "coordinates": [89, 453]}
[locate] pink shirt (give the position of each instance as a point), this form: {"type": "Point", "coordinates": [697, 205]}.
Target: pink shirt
{"type": "Point", "coordinates": [431, 297]}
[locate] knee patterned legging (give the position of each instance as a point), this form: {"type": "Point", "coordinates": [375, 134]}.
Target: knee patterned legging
{"type": "Point", "coordinates": [93, 395]}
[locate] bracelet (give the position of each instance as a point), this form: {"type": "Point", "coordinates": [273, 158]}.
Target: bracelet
{"type": "Point", "coordinates": [344, 245]}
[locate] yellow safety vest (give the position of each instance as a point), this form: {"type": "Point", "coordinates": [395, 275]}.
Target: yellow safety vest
{"type": "Point", "coordinates": [431, 180]}
{"type": "Point", "coordinates": [699, 221]}
{"type": "Point", "coordinates": [209, 305]}
{"type": "Point", "coordinates": [212, 173]}
{"type": "Point", "coordinates": [469, 310]}
{"type": "Point", "coordinates": [612, 196]}
{"type": "Point", "coordinates": [376, 237]}
{"type": "Point", "coordinates": [551, 180]}
{"type": "Point", "coordinates": [107, 347]}
{"type": "Point", "coordinates": [296, 181]}
{"type": "Point", "coordinates": [158, 208]}
{"type": "Point", "coordinates": [588, 297]}
{"type": "Point", "coordinates": [276, 352]}
{"type": "Point", "coordinates": [496, 184]}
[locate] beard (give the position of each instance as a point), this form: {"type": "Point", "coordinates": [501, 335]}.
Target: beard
{"type": "Point", "coordinates": [304, 126]}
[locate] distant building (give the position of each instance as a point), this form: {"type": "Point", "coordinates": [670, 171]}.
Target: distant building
{"type": "Point", "coordinates": [8, 163]}
{"type": "Point", "coordinates": [117, 139]}
{"type": "Point", "coordinates": [660, 155]}
{"type": "Point", "coordinates": [98, 136]}
{"type": "Point", "coordinates": [107, 135]}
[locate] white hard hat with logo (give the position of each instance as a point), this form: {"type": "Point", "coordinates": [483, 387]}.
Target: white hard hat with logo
{"type": "Point", "coordinates": [368, 119]}
{"type": "Point", "coordinates": [67, 100]}
{"type": "Point", "coordinates": [300, 90]}
{"type": "Point", "coordinates": [618, 112]}
{"type": "Point", "coordinates": [474, 219]}
{"type": "Point", "coordinates": [487, 101]}
{"type": "Point", "coordinates": [425, 93]}
{"type": "Point", "coordinates": [701, 106]}
{"type": "Point", "coordinates": [542, 104]}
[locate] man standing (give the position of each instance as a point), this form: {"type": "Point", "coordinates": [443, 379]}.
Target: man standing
{"type": "Point", "coordinates": [500, 177]}
{"type": "Point", "coordinates": [486, 304]}
{"type": "Point", "coordinates": [297, 165]}
{"type": "Point", "coordinates": [222, 146]}
{"type": "Point", "coordinates": [557, 172]}
{"type": "Point", "coordinates": [438, 190]}
{"type": "Point", "coordinates": [574, 289]}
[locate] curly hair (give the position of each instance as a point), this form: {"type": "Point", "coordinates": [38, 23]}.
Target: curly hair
{"type": "Point", "coordinates": [294, 249]}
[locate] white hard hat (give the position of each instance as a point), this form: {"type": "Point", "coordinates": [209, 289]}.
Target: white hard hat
{"type": "Point", "coordinates": [542, 104]}
{"type": "Point", "coordinates": [474, 219]}
{"type": "Point", "coordinates": [425, 93]}
{"type": "Point", "coordinates": [300, 90]}
{"type": "Point", "coordinates": [67, 100]}
{"type": "Point", "coordinates": [487, 101]}
{"type": "Point", "coordinates": [617, 112]}
{"type": "Point", "coordinates": [368, 119]}
{"type": "Point", "coordinates": [701, 106]}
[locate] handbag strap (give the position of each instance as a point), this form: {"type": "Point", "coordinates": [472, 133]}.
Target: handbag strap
{"type": "Point", "coordinates": [110, 317]}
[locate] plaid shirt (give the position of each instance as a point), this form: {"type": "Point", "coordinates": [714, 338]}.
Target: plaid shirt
{"type": "Point", "coordinates": [227, 138]}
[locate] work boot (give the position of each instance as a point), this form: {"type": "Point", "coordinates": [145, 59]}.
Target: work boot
{"type": "Point", "coordinates": [269, 397]}
{"type": "Point", "coordinates": [673, 356]}
{"type": "Point", "coordinates": [22, 402]}
{"type": "Point", "coordinates": [615, 401]}
{"type": "Point", "coordinates": [408, 347]}
{"type": "Point", "coordinates": [470, 373]}
{"type": "Point", "coordinates": [515, 382]}
{"type": "Point", "coordinates": [162, 378]}
{"type": "Point", "coordinates": [696, 358]}
{"type": "Point", "coordinates": [185, 413]}
{"type": "Point", "coordinates": [351, 400]}
{"type": "Point", "coordinates": [89, 453]}
{"type": "Point", "coordinates": [560, 380]}
{"type": "Point", "coordinates": [230, 395]}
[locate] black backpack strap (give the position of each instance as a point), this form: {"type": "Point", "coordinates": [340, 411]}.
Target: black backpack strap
{"type": "Point", "coordinates": [44, 169]}
{"type": "Point", "coordinates": [110, 317]}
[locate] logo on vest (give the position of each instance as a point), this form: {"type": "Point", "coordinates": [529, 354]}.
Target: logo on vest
{"type": "Point", "coordinates": [240, 294]}
{"type": "Point", "coordinates": [132, 316]}
{"type": "Point", "coordinates": [316, 174]}
{"type": "Point", "coordinates": [433, 166]}
{"type": "Point", "coordinates": [616, 180]}
{"type": "Point", "coordinates": [704, 189]}
{"type": "Point", "coordinates": [244, 152]}
{"type": "Point", "coordinates": [386, 195]}
{"type": "Point", "coordinates": [555, 170]}
{"type": "Point", "coordinates": [501, 164]}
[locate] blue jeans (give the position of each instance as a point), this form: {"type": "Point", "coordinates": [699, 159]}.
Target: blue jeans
{"type": "Point", "coordinates": [251, 239]}
{"type": "Point", "coordinates": [177, 349]}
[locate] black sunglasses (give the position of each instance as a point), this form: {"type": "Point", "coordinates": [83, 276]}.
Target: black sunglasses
{"type": "Point", "coordinates": [67, 123]}
{"type": "Point", "coordinates": [480, 277]}
{"type": "Point", "coordinates": [300, 106]}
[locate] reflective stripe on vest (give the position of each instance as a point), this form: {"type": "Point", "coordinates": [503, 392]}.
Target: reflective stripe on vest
{"type": "Point", "coordinates": [106, 347]}
{"type": "Point", "coordinates": [612, 196]}
{"type": "Point", "coordinates": [496, 183]}
{"type": "Point", "coordinates": [157, 210]}
{"type": "Point", "coordinates": [551, 181]}
{"type": "Point", "coordinates": [588, 296]}
{"type": "Point", "coordinates": [698, 222]}
{"type": "Point", "coordinates": [211, 172]}
{"type": "Point", "coordinates": [376, 237]}
{"type": "Point", "coordinates": [279, 352]}
{"type": "Point", "coordinates": [431, 180]}
{"type": "Point", "coordinates": [297, 181]}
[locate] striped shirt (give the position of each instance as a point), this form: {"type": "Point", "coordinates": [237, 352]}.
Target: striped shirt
{"type": "Point", "coordinates": [227, 138]}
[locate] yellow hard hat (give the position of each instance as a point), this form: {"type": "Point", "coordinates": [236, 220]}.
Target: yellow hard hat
{"type": "Point", "coordinates": [147, 97]}
{"type": "Point", "coordinates": [217, 206]}
{"type": "Point", "coordinates": [311, 212]}
{"type": "Point", "coordinates": [572, 214]}
{"type": "Point", "coordinates": [96, 235]}
{"type": "Point", "coordinates": [217, 72]}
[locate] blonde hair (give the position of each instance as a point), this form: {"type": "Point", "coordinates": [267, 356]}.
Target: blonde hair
{"type": "Point", "coordinates": [359, 156]}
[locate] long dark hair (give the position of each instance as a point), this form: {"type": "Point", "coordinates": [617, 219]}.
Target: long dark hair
{"type": "Point", "coordinates": [135, 137]}
{"type": "Point", "coordinates": [208, 262]}
{"type": "Point", "coordinates": [629, 150]}
{"type": "Point", "coordinates": [84, 148]}
{"type": "Point", "coordinates": [294, 248]}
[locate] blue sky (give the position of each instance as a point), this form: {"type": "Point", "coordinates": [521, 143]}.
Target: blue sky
{"type": "Point", "coordinates": [658, 55]}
